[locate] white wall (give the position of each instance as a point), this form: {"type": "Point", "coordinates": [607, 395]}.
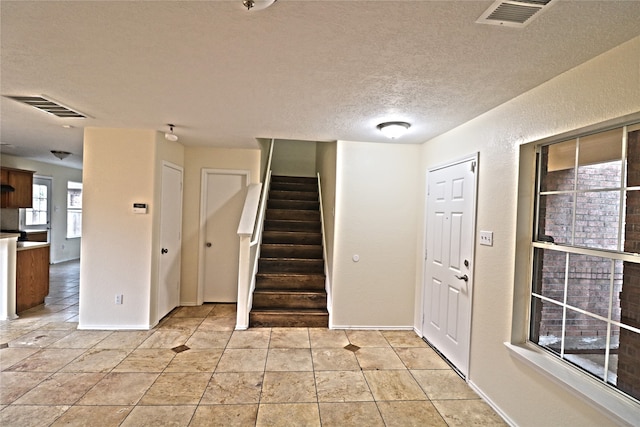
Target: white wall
{"type": "Point", "coordinates": [375, 218]}
{"type": "Point", "coordinates": [118, 256]}
{"type": "Point", "coordinates": [604, 88]}
{"type": "Point", "coordinates": [197, 158]}
{"type": "Point", "coordinates": [294, 158]}
{"type": "Point", "coordinates": [62, 249]}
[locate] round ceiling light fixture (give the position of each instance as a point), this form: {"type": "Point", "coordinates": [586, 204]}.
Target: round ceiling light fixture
{"type": "Point", "coordinates": [253, 5]}
{"type": "Point", "coordinates": [60, 154]}
{"type": "Point", "coordinates": [393, 130]}
{"type": "Point", "coordinates": [170, 136]}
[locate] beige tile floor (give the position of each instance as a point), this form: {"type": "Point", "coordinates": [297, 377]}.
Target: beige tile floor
{"type": "Point", "coordinates": [53, 374]}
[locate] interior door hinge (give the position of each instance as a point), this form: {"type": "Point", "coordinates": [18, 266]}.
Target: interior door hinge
{"type": "Point", "coordinates": [473, 166]}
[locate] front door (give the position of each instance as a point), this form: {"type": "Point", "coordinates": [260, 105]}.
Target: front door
{"type": "Point", "coordinates": [449, 255]}
{"type": "Point", "coordinates": [224, 197]}
{"type": "Point", "coordinates": [170, 239]}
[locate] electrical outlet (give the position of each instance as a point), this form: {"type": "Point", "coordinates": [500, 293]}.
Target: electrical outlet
{"type": "Point", "coordinates": [119, 299]}
{"type": "Point", "coordinates": [486, 238]}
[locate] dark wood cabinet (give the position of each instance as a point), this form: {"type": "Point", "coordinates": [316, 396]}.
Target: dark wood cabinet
{"type": "Point", "coordinates": [37, 236]}
{"type": "Point", "coordinates": [22, 183]}
{"type": "Point", "coordinates": [32, 277]}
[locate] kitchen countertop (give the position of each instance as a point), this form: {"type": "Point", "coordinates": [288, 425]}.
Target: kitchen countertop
{"type": "Point", "coordinates": [23, 246]}
{"type": "Point", "coordinates": [4, 235]}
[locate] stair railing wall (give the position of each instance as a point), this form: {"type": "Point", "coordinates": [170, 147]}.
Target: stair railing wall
{"type": "Point", "coordinates": [250, 234]}
{"type": "Point", "coordinates": [324, 252]}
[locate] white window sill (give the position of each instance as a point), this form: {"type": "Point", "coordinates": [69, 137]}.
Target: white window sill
{"type": "Point", "coordinates": [610, 402]}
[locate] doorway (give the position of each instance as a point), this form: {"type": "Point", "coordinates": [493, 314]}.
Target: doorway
{"type": "Point", "coordinates": [222, 199]}
{"type": "Point", "coordinates": [38, 217]}
{"type": "Point", "coordinates": [170, 239]}
{"type": "Point", "coordinates": [448, 275]}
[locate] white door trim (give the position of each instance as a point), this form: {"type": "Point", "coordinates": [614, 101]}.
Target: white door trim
{"type": "Point", "coordinates": [203, 219]}
{"type": "Point", "coordinates": [472, 157]}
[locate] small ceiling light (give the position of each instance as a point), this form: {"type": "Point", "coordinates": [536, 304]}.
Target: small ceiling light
{"type": "Point", "coordinates": [257, 4]}
{"type": "Point", "coordinates": [60, 154]}
{"type": "Point", "coordinates": [393, 130]}
{"type": "Point", "coordinates": [170, 136]}
{"type": "Point", "coordinates": [67, 126]}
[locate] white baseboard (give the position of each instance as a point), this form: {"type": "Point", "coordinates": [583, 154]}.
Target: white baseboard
{"type": "Point", "coordinates": [373, 328]}
{"type": "Point", "coordinates": [188, 304]}
{"type": "Point", "coordinates": [490, 403]}
{"type": "Point", "coordinates": [115, 327]}
{"type": "Point", "coordinates": [60, 261]}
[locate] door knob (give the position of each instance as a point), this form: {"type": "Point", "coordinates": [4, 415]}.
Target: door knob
{"type": "Point", "coordinates": [208, 244]}
{"type": "Point", "coordinates": [464, 277]}
{"type": "Point", "coordinates": [164, 250]}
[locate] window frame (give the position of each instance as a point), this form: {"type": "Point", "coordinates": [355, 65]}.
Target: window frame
{"type": "Point", "coordinates": [608, 400]}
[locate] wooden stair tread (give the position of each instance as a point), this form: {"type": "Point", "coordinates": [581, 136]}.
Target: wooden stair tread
{"type": "Point", "coordinates": [293, 195]}
{"type": "Point", "coordinates": [296, 311]}
{"type": "Point", "coordinates": [300, 212]}
{"type": "Point", "coordinates": [290, 291]}
{"type": "Point", "coordinates": [287, 233]}
{"type": "Point", "coordinates": [292, 245]}
{"type": "Point", "coordinates": [293, 204]}
{"type": "Point", "coordinates": [287, 178]}
{"type": "Point", "coordinates": [299, 251]}
{"type": "Point", "coordinates": [288, 274]}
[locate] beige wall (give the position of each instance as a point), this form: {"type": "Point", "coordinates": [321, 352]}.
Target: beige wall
{"type": "Point", "coordinates": [196, 159]}
{"type": "Point", "coordinates": [62, 249]}
{"type": "Point", "coordinates": [294, 158]}
{"type": "Point", "coordinates": [604, 88]}
{"type": "Point", "coordinates": [375, 218]}
{"type": "Point", "coordinates": [265, 147]}
{"type": "Point", "coordinates": [326, 167]}
{"type": "Point", "coordinates": [120, 249]}
{"type": "Point", "coordinates": [119, 170]}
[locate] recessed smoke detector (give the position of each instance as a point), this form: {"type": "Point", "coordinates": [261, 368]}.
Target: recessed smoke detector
{"type": "Point", "coordinates": [514, 13]}
{"type": "Point", "coordinates": [49, 106]}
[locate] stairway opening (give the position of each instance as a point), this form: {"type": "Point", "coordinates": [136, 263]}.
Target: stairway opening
{"type": "Point", "coordinates": [290, 282]}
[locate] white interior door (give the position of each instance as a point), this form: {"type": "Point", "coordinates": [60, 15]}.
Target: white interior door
{"type": "Point", "coordinates": [224, 198]}
{"type": "Point", "coordinates": [449, 255]}
{"type": "Point", "coordinates": [170, 239]}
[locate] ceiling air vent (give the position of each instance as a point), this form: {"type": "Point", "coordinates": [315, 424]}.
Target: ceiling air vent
{"type": "Point", "coordinates": [516, 14]}
{"type": "Point", "coordinates": [49, 106]}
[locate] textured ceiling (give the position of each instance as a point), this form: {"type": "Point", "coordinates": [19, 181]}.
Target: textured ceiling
{"type": "Point", "coordinates": [300, 70]}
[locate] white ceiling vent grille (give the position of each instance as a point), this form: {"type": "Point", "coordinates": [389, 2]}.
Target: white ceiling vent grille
{"type": "Point", "coordinates": [49, 106]}
{"type": "Point", "coordinates": [511, 13]}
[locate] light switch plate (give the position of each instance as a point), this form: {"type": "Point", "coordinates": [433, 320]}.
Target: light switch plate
{"type": "Point", "coordinates": [486, 238]}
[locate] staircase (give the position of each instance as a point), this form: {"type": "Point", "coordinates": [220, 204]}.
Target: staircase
{"type": "Point", "coordinates": [290, 283]}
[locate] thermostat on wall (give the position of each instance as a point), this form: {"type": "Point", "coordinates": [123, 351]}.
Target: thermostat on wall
{"type": "Point", "coordinates": [140, 208]}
